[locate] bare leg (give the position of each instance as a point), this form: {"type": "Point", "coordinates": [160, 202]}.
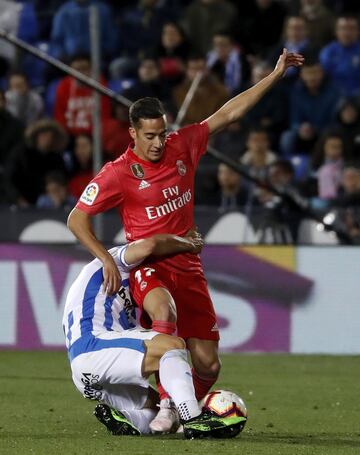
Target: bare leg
{"type": "Point", "coordinates": [206, 363]}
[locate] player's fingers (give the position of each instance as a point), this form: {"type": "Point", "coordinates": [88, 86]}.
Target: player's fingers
{"type": "Point", "coordinates": [117, 281]}
{"type": "Point", "coordinates": [112, 284]}
{"type": "Point", "coordinates": [105, 282]}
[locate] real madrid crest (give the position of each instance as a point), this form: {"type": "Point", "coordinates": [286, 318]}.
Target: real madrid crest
{"type": "Point", "coordinates": [181, 167]}
{"type": "Point", "coordinates": [137, 170]}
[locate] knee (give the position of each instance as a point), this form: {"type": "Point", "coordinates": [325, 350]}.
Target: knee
{"type": "Point", "coordinates": [208, 367]}
{"type": "Point", "coordinates": [176, 343]}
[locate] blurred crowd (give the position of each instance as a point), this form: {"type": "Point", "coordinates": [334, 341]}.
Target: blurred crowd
{"type": "Point", "coordinates": [302, 138]}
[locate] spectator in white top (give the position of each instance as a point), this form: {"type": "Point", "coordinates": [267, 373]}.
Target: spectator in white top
{"type": "Point", "coordinates": [23, 102]}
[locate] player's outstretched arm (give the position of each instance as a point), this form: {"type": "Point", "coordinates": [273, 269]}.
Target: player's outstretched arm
{"type": "Point", "coordinates": [163, 245]}
{"type": "Point", "coordinates": [238, 106]}
{"type": "Point", "coordinates": [80, 225]}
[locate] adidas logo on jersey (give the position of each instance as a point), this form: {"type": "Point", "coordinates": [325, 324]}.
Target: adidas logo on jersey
{"type": "Point", "coordinates": [143, 184]}
{"type": "Point", "coordinates": [215, 328]}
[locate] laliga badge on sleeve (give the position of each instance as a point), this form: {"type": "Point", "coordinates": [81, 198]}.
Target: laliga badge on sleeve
{"type": "Point", "coordinates": [90, 193]}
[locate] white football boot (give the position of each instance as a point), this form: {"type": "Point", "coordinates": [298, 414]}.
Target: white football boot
{"type": "Point", "coordinates": [167, 419]}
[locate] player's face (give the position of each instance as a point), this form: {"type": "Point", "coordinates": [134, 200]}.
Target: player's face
{"type": "Point", "coordinates": [149, 138]}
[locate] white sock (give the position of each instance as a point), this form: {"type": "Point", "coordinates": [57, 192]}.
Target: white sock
{"type": "Point", "coordinates": [140, 418]}
{"type": "Point", "coordinates": [176, 378]}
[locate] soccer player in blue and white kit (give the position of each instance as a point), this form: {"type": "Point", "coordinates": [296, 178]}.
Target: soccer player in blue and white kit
{"type": "Point", "coordinates": [111, 357]}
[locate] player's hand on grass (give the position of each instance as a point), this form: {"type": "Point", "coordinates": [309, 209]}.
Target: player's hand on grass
{"type": "Point", "coordinates": [112, 278]}
{"type": "Point", "coordinates": [286, 60]}
{"type": "Point", "coordinates": [196, 239]}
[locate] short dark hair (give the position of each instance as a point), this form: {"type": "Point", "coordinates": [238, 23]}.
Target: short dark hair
{"type": "Point", "coordinates": [145, 108]}
{"type": "Point", "coordinates": [285, 165]}
{"type": "Point", "coordinates": [56, 177]}
{"type": "Point", "coordinates": [257, 129]}
{"type": "Point", "coordinates": [79, 56]}
{"type": "Point", "coordinates": [225, 33]}
{"type": "Point", "coordinates": [18, 74]}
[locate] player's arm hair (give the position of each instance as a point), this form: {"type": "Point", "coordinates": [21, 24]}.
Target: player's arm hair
{"type": "Point", "coordinates": [159, 245]}
{"type": "Point", "coordinates": [80, 225]}
{"type": "Point", "coordinates": [238, 106]}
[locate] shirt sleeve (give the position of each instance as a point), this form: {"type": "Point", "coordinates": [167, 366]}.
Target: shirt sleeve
{"type": "Point", "coordinates": [103, 193]}
{"type": "Point", "coordinates": [196, 139]}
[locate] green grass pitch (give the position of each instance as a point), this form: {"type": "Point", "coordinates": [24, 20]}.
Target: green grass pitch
{"type": "Point", "coordinates": [297, 405]}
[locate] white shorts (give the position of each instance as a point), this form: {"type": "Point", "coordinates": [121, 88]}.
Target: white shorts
{"type": "Point", "coordinates": [111, 374]}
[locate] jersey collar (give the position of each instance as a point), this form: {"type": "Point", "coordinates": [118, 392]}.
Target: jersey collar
{"type": "Point", "coordinates": [137, 159]}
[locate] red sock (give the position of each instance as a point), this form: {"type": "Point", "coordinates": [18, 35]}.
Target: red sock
{"type": "Point", "coordinates": [164, 327]}
{"type": "Point", "coordinates": [168, 328]}
{"type": "Point", "coordinates": [162, 392]}
{"type": "Point", "coordinates": [202, 385]}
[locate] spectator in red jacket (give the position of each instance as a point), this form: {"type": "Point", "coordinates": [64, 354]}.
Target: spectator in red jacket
{"type": "Point", "coordinates": [74, 102]}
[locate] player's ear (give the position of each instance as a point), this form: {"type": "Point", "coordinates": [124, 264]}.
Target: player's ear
{"type": "Point", "coordinates": [132, 132]}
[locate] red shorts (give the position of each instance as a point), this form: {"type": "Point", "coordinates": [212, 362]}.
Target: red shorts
{"type": "Point", "coordinates": [195, 312]}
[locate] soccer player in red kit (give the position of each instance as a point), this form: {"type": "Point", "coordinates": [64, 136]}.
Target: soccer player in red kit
{"type": "Point", "coordinates": [152, 187]}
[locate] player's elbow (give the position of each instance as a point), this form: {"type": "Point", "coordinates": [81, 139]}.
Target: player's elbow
{"type": "Point", "coordinates": [70, 220]}
{"type": "Point", "coordinates": [75, 219]}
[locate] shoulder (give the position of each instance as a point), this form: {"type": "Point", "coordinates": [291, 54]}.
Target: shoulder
{"type": "Point", "coordinates": [329, 49]}
{"type": "Point", "coordinates": [187, 134]}
{"type": "Point", "coordinates": [64, 83]}
{"type": "Point", "coordinates": [194, 128]}
{"type": "Point", "coordinates": [121, 165]}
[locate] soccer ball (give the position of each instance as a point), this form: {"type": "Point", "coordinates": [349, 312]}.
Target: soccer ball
{"type": "Point", "coordinates": [224, 403]}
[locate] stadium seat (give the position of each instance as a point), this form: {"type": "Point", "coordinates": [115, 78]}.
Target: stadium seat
{"type": "Point", "coordinates": [28, 28]}
{"type": "Point", "coordinates": [50, 95]}
{"type": "Point", "coordinates": [232, 228]}
{"type": "Point", "coordinates": [34, 68]}
{"type": "Point", "coordinates": [120, 237]}
{"type": "Point", "coordinates": [47, 231]}
{"type": "Point", "coordinates": [313, 233]}
{"type": "Point", "coordinates": [119, 85]}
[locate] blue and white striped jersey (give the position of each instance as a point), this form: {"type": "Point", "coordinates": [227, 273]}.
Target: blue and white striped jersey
{"type": "Point", "coordinates": [90, 311]}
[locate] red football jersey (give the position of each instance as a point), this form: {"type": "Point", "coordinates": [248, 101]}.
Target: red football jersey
{"type": "Point", "coordinates": [153, 198]}
{"type": "Point", "coordinates": [74, 104]}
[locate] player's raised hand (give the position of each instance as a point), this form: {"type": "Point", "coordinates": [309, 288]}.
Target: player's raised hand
{"type": "Point", "coordinates": [112, 278]}
{"type": "Point", "coordinates": [286, 60]}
